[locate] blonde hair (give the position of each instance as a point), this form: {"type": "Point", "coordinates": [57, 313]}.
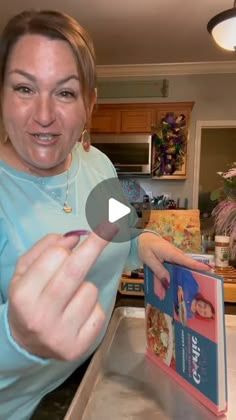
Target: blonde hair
{"type": "Point", "coordinates": [53, 25]}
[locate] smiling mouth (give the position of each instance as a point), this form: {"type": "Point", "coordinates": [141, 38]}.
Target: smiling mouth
{"type": "Point", "coordinates": [45, 137]}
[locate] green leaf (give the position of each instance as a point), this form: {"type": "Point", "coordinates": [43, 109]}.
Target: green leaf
{"type": "Point", "coordinates": [216, 194]}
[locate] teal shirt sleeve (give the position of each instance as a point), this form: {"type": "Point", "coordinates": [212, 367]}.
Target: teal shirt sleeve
{"type": "Point", "coordinates": [14, 360]}
{"type": "Point", "coordinates": [133, 261]}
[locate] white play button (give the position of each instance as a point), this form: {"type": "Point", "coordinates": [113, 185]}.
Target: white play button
{"type": "Point", "coordinates": [106, 201]}
{"type": "Point", "coordinates": [116, 210]}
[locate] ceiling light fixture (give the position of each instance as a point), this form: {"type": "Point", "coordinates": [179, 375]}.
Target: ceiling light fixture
{"type": "Point", "coordinates": [223, 28]}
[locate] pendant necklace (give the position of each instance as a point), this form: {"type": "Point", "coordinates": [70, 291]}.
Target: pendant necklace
{"type": "Point", "coordinates": [66, 207]}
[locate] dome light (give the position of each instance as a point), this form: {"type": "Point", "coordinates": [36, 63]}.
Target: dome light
{"type": "Point", "coordinates": [222, 27]}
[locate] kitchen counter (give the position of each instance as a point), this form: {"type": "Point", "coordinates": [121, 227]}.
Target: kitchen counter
{"type": "Point", "coordinates": [134, 286]}
{"type": "Point", "coordinates": [55, 405]}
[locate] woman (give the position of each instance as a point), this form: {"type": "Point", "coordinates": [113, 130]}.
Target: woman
{"type": "Point", "coordinates": [187, 291]}
{"type": "Point", "coordinates": [55, 303]}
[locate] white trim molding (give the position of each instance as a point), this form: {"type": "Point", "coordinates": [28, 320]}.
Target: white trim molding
{"type": "Point", "coordinates": [199, 126]}
{"type": "Point", "coordinates": [170, 69]}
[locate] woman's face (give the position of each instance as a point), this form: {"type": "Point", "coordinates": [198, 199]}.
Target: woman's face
{"type": "Point", "coordinates": [43, 109]}
{"type": "Point", "coordinates": [203, 309]}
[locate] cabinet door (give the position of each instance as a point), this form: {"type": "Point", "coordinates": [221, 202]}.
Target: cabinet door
{"type": "Point", "coordinates": [177, 110]}
{"type": "Point", "coordinates": [137, 120]}
{"type": "Point", "coordinates": [105, 121]}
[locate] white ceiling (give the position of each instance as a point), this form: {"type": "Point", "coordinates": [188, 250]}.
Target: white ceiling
{"type": "Point", "coordinates": [141, 32]}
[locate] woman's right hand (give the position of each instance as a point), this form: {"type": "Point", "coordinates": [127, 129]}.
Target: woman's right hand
{"type": "Point", "coordinates": [53, 311]}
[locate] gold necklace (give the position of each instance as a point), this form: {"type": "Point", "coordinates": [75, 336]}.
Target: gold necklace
{"type": "Point", "coordinates": [66, 207]}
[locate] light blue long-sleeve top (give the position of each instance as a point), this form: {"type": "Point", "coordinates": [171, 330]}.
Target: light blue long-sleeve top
{"type": "Point", "coordinates": [31, 207]}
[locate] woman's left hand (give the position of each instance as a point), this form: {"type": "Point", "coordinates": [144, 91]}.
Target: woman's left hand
{"type": "Point", "coordinates": [154, 250]}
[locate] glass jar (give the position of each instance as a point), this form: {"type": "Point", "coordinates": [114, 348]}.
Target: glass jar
{"type": "Point", "coordinates": [221, 251]}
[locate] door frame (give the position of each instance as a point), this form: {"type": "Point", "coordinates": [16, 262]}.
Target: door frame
{"type": "Point", "coordinates": [198, 138]}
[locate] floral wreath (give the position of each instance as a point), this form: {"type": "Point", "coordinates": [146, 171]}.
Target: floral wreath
{"type": "Point", "coordinates": [169, 140]}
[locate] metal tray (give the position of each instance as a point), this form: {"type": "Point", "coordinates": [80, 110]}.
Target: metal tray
{"type": "Point", "coordinates": [121, 383]}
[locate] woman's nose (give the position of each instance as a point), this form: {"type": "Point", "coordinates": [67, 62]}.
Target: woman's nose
{"type": "Point", "coordinates": [44, 111]}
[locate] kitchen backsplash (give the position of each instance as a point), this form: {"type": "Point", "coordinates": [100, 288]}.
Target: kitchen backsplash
{"type": "Point", "coordinates": [132, 190]}
{"type": "Point", "coordinates": [137, 190]}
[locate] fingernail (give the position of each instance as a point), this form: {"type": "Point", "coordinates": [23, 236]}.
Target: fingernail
{"type": "Point", "coordinates": [82, 232]}
{"type": "Point", "coordinates": [209, 265]}
{"type": "Point", "coordinates": [165, 284]}
{"type": "Point", "coordinates": [106, 230]}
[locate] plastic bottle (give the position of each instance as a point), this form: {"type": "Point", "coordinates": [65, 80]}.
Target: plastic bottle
{"type": "Point", "coordinates": [221, 251]}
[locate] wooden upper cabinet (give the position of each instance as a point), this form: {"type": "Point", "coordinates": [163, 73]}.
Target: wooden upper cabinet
{"type": "Point", "coordinates": [134, 117]}
{"type": "Point", "coordinates": [105, 120]}
{"type": "Point", "coordinates": [123, 118]}
{"type": "Point", "coordinates": [177, 108]}
{"type": "Point", "coordinates": [137, 121]}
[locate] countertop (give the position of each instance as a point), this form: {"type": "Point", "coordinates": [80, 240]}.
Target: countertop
{"type": "Point", "coordinates": [55, 405]}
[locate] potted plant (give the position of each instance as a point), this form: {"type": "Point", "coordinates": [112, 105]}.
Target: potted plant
{"type": "Point", "coordinates": [224, 212]}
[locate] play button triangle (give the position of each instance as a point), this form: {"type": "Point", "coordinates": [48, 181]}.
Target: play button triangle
{"type": "Point", "coordinates": [116, 210]}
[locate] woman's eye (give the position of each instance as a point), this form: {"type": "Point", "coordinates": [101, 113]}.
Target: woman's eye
{"type": "Point", "coordinates": [23, 89]}
{"type": "Point", "coordinates": [67, 94]}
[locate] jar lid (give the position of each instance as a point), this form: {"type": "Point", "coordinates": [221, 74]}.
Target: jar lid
{"type": "Point", "coordinates": [222, 238]}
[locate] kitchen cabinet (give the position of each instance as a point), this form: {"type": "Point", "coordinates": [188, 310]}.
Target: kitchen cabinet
{"type": "Point", "coordinates": [230, 292]}
{"type": "Point", "coordinates": [123, 118]}
{"type": "Point", "coordinates": [106, 120]}
{"type": "Point", "coordinates": [137, 121]}
{"type": "Point", "coordinates": [134, 117]}
{"type": "Point", "coordinates": [177, 108]}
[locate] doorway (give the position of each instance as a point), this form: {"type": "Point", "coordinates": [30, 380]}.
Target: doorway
{"type": "Point", "coordinates": [215, 149]}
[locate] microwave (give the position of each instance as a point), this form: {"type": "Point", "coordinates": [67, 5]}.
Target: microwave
{"type": "Point", "coordinates": [130, 154]}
